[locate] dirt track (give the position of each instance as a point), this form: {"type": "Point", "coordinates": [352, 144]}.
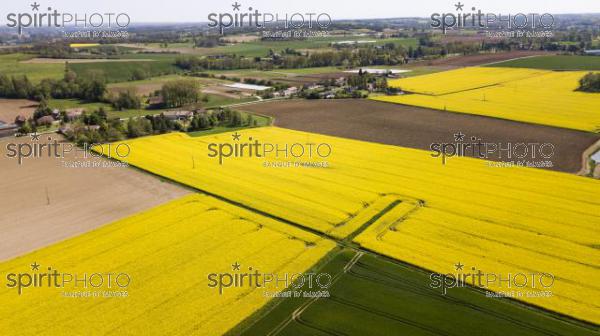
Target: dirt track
{"type": "Point", "coordinates": [415, 127]}
{"type": "Point", "coordinates": [44, 202]}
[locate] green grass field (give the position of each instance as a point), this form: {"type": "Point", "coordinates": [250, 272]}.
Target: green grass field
{"type": "Point", "coordinates": [379, 297]}
{"type": "Point", "coordinates": [114, 72]}
{"type": "Point", "coordinates": [11, 65]}
{"type": "Point", "coordinates": [560, 62]}
{"type": "Point", "coordinates": [261, 48]}
{"type": "Point", "coordinates": [218, 100]}
{"type": "Point", "coordinates": [63, 104]}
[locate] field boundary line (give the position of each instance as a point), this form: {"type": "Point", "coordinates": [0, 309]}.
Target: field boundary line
{"type": "Point", "coordinates": [296, 313]}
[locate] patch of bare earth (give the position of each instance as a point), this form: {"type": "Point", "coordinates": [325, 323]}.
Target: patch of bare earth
{"type": "Point", "coordinates": [415, 127]}
{"type": "Point", "coordinates": [45, 201]}
{"type": "Point", "coordinates": [11, 108]}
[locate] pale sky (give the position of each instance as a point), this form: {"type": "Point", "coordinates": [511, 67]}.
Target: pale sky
{"type": "Point", "coordinates": [198, 10]}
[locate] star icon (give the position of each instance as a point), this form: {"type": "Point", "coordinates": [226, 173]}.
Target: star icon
{"type": "Point", "coordinates": [236, 136]}
{"type": "Point", "coordinates": [459, 136]}
{"type": "Point", "coordinates": [35, 6]}
{"type": "Point", "coordinates": [35, 266]}
{"type": "Point", "coordinates": [236, 266]}
{"type": "Point", "coordinates": [459, 6]}
{"type": "Point", "coordinates": [459, 266]}
{"type": "Point", "coordinates": [35, 136]}
{"type": "Point", "coordinates": [236, 6]}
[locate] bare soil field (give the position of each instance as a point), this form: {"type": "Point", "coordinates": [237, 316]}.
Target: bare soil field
{"type": "Point", "coordinates": [11, 108]}
{"type": "Point", "coordinates": [139, 89]}
{"type": "Point", "coordinates": [44, 201]}
{"type": "Point", "coordinates": [228, 92]}
{"type": "Point", "coordinates": [309, 79]}
{"type": "Point", "coordinates": [415, 127]}
{"type": "Point", "coordinates": [240, 38]}
{"type": "Point", "coordinates": [81, 60]}
{"type": "Point", "coordinates": [479, 59]}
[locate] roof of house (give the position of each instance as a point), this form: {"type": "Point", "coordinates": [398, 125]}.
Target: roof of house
{"type": "Point", "coordinates": [45, 119]}
{"type": "Point", "coordinates": [74, 111]}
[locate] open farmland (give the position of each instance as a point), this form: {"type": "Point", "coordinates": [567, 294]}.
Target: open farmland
{"type": "Point", "coordinates": [114, 72]}
{"type": "Point", "coordinates": [479, 59]}
{"type": "Point", "coordinates": [378, 296]}
{"type": "Point", "coordinates": [416, 127]}
{"type": "Point", "coordinates": [527, 95]}
{"type": "Point", "coordinates": [514, 211]}
{"type": "Point", "coordinates": [48, 199]}
{"type": "Point", "coordinates": [261, 48]}
{"type": "Point", "coordinates": [80, 60]}
{"type": "Point", "coordinates": [13, 65]}
{"type": "Point", "coordinates": [556, 62]}
{"type": "Point", "coordinates": [167, 253]}
{"type": "Point", "coordinates": [148, 86]}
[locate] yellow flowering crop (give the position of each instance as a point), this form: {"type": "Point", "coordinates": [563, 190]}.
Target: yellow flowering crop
{"type": "Point", "coordinates": [83, 45]}
{"type": "Point", "coordinates": [508, 219]}
{"type": "Point", "coordinates": [167, 253]}
{"type": "Point", "coordinates": [533, 96]}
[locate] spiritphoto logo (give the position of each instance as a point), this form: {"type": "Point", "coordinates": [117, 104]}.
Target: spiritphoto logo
{"type": "Point", "coordinates": [241, 16]}
{"type": "Point", "coordinates": [519, 284]}
{"type": "Point", "coordinates": [522, 153]}
{"type": "Point", "coordinates": [478, 19]}
{"type": "Point", "coordinates": [94, 284]}
{"type": "Point", "coordinates": [52, 148]}
{"type": "Point", "coordinates": [47, 16]}
{"type": "Point", "coordinates": [254, 148]}
{"type": "Point", "coordinates": [298, 284]}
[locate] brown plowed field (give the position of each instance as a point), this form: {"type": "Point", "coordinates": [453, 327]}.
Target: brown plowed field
{"type": "Point", "coordinates": [416, 127]}
{"type": "Point", "coordinates": [479, 59]}
{"type": "Point", "coordinates": [44, 201]}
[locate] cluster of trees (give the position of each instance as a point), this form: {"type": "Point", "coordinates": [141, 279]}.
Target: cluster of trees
{"type": "Point", "coordinates": [126, 100]}
{"type": "Point", "coordinates": [69, 87]}
{"type": "Point", "coordinates": [362, 80]}
{"type": "Point", "coordinates": [206, 42]}
{"type": "Point", "coordinates": [225, 117]}
{"type": "Point", "coordinates": [181, 92]}
{"type": "Point", "coordinates": [225, 62]}
{"type": "Point", "coordinates": [590, 83]}
{"type": "Point", "coordinates": [109, 130]}
{"type": "Point", "coordinates": [63, 50]}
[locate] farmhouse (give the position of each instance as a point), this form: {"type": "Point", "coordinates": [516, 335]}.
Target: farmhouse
{"type": "Point", "coordinates": [74, 113]}
{"type": "Point", "coordinates": [45, 120]}
{"type": "Point", "coordinates": [593, 52]}
{"type": "Point", "coordinates": [251, 87]}
{"type": "Point", "coordinates": [379, 72]}
{"type": "Point", "coordinates": [178, 115]}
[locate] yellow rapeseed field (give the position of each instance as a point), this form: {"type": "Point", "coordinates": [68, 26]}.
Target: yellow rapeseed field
{"type": "Point", "coordinates": [162, 258]}
{"type": "Point", "coordinates": [497, 219]}
{"type": "Point", "coordinates": [533, 96]}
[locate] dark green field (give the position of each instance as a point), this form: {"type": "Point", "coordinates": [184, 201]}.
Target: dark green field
{"type": "Point", "coordinates": [554, 63]}
{"type": "Point", "coordinates": [114, 72]}
{"type": "Point", "coordinates": [379, 297]}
